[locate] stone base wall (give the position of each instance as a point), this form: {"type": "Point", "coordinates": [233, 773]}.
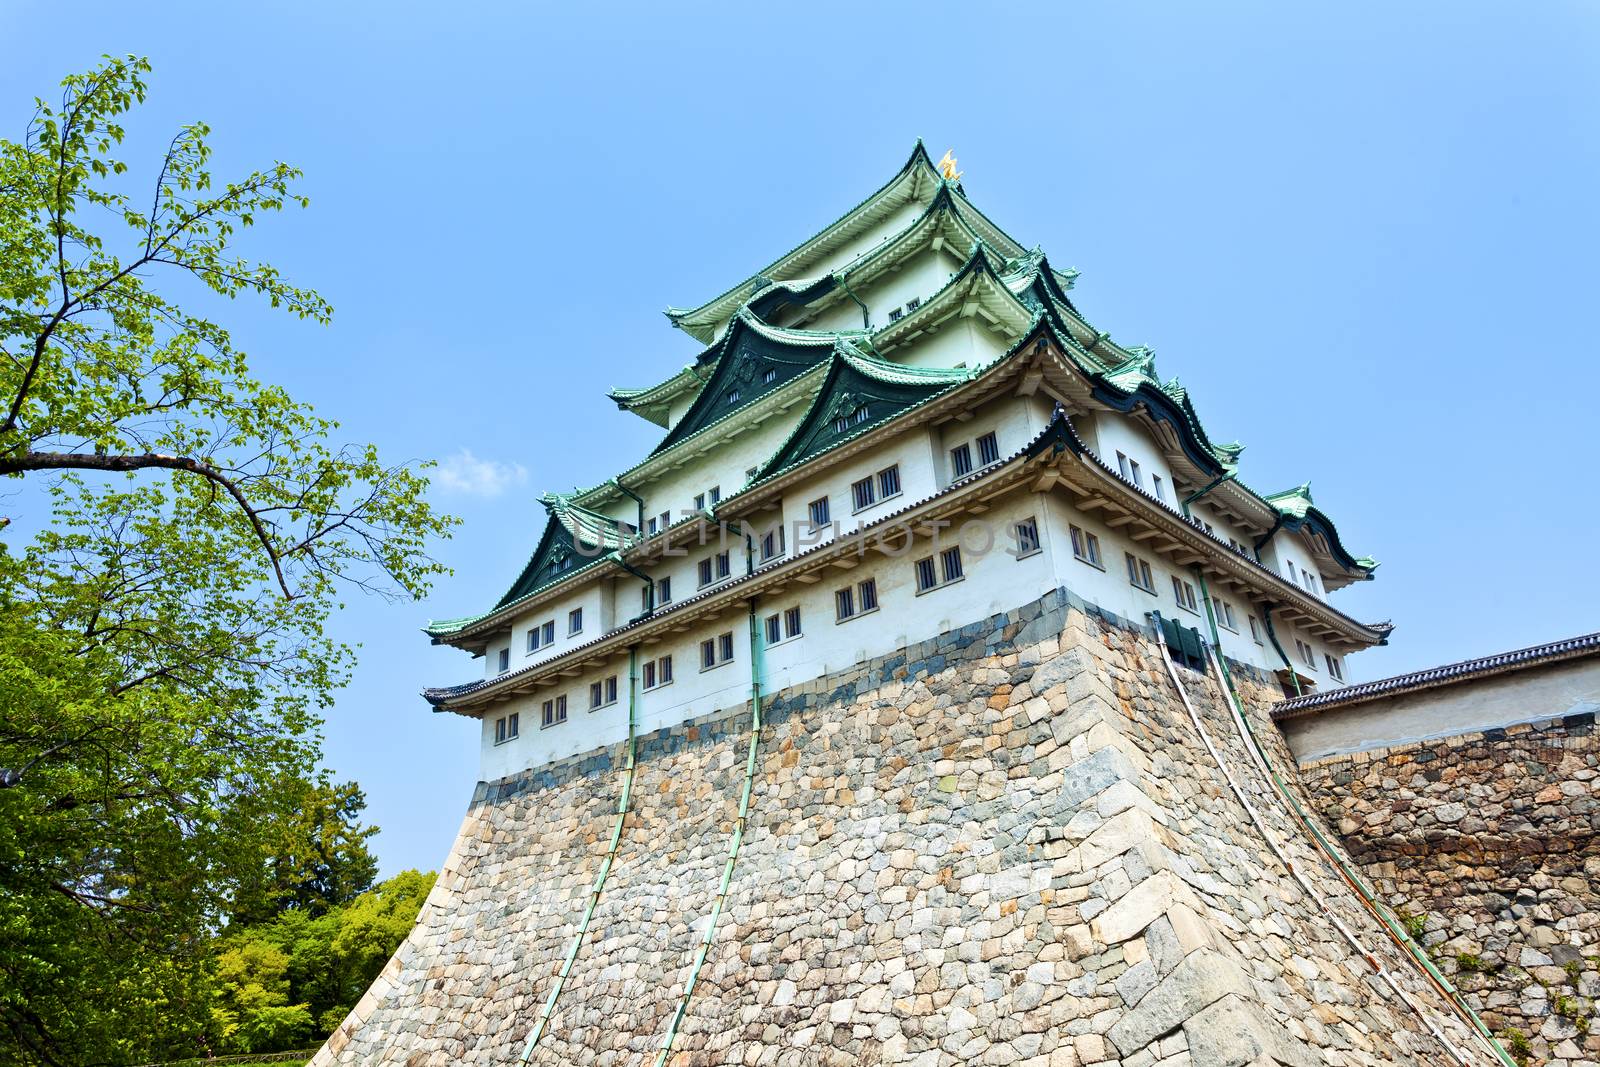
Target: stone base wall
{"type": "Point", "coordinates": [1491, 842]}
{"type": "Point", "coordinates": [1005, 846]}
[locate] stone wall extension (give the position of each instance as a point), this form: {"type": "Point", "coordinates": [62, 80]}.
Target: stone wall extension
{"type": "Point", "coordinates": [1491, 841]}
{"type": "Point", "coordinates": [1004, 847]}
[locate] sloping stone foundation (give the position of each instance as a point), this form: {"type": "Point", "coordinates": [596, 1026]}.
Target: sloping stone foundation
{"type": "Point", "coordinates": [1006, 846]}
{"type": "Point", "coordinates": [1491, 841]}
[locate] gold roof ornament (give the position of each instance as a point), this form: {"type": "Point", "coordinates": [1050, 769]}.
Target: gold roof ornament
{"type": "Point", "coordinates": [947, 166]}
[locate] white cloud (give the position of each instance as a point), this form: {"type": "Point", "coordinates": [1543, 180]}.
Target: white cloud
{"type": "Point", "coordinates": [467, 474]}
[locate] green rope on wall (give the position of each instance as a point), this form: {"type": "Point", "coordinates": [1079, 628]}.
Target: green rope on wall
{"type": "Point", "coordinates": [734, 844]}
{"type": "Point", "coordinates": [599, 886]}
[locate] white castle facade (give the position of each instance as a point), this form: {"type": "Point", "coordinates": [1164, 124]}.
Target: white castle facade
{"type": "Point", "coordinates": [900, 428]}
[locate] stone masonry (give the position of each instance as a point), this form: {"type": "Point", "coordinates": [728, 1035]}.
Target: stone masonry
{"type": "Point", "coordinates": [1008, 846]}
{"type": "Point", "coordinates": [1489, 841]}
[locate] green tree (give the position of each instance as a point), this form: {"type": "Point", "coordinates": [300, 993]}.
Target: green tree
{"type": "Point", "coordinates": [321, 859]}
{"type": "Point", "coordinates": [163, 658]}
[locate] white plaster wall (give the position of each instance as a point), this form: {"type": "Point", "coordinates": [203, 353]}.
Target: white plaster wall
{"type": "Point", "coordinates": [1571, 687]}
{"type": "Point", "coordinates": [1119, 433]}
{"type": "Point", "coordinates": [597, 618]}
{"type": "Point", "coordinates": [957, 342]}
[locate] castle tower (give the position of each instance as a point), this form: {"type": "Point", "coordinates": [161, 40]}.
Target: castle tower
{"type": "Point", "coordinates": [908, 703]}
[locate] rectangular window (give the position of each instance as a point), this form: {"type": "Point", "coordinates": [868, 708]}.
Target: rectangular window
{"type": "Point", "coordinates": [1228, 619]}
{"type": "Point", "coordinates": [1027, 532]}
{"type": "Point", "coordinates": [819, 513]}
{"type": "Point", "coordinates": [1086, 546]}
{"type": "Point", "coordinates": [791, 622]}
{"type": "Point", "coordinates": [772, 543]}
{"type": "Point", "coordinates": [844, 603]}
{"type": "Point", "coordinates": [722, 565]}
{"type": "Point", "coordinates": [652, 525]}
{"type": "Point", "coordinates": [513, 724]}
{"type": "Point", "coordinates": [533, 639]}
{"type": "Point", "coordinates": [666, 519]}
{"type": "Point", "coordinates": [1130, 469]}
{"type": "Point", "coordinates": [894, 314]}
{"type": "Point", "coordinates": [699, 501]}
{"type": "Point", "coordinates": [505, 660]}
{"type": "Point", "coordinates": [1255, 630]}
{"type": "Point", "coordinates": [505, 729]}
{"type": "Point", "coordinates": [774, 624]}
{"type": "Point", "coordinates": [725, 647]}
{"type": "Point", "coordinates": [913, 304]}
{"type": "Point", "coordinates": [597, 695]}
{"type": "Point", "coordinates": [988, 449]}
{"type": "Point", "coordinates": [611, 689]}
{"type": "Point", "coordinates": [1333, 667]}
{"type": "Point", "coordinates": [664, 590]}
{"type": "Point", "coordinates": [705, 572]}
{"type": "Point", "coordinates": [666, 669]}
{"type": "Point", "coordinates": [961, 460]}
{"type": "Point", "coordinates": [927, 575]}
{"type": "Point", "coordinates": [733, 396]}
{"type": "Point", "coordinates": [867, 595]}
{"type": "Point", "coordinates": [1184, 593]}
{"type": "Point", "coordinates": [862, 494]}
{"type": "Point", "coordinates": [575, 621]}
{"type": "Point", "coordinates": [1306, 653]}
{"type": "Point", "coordinates": [650, 674]}
{"type": "Point", "coordinates": [714, 494]}
{"type": "Point", "coordinates": [708, 654]}
{"type": "Point", "coordinates": [1139, 573]}
{"type": "Point", "coordinates": [555, 711]}
{"type": "Point", "coordinates": [769, 376]}
{"type": "Point", "coordinates": [889, 482]}
{"type": "Point", "coordinates": [1160, 487]}
{"type": "Point", "coordinates": [548, 632]}
{"type": "Point", "coordinates": [950, 563]}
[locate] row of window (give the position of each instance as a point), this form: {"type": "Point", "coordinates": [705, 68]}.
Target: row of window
{"type": "Point", "coordinates": [543, 635]}
{"type": "Point", "coordinates": [988, 447]}
{"type": "Point", "coordinates": [897, 313]}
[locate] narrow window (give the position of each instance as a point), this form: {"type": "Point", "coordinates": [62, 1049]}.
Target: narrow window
{"type": "Point", "coordinates": [1122, 466]}
{"type": "Point", "coordinates": [611, 689]}
{"type": "Point", "coordinates": [647, 597]}
{"type": "Point", "coordinates": [575, 621]}
{"type": "Point", "coordinates": [666, 519]}
{"type": "Point", "coordinates": [1086, 546]}
{"type": "Point", "coordinates": [988, 449]}
{"type": "Point", "coordinates": [666, 669]}
{"type": "Point", "coordinates": [862, 494]}
{"type": "Point", "coordinates": [733, 396]}
{"type": "Point", "coordinates": [772, 543]}
{"type": "Point", "coordinates": [1027, 537]}
{"type": "Point", "coordinates": [894, 314]}
{"type": "Point", "coordinates": [650, 674]}
{"type": "Point", "coordinates": [1184, 593]}
{"type": "Point", "coordinates": [699, 501]}
{"type": "Point", "coordinates": [1255, 630]}
{"type": "Point", "coordinates": [1306, 653]}
{"type": "Point", "coordinates": [1227, 616]}
{"type": "Point", "coordinates": [725, 647]}
{"type": "Point", "coordinates": [596, 695]}
{"type": "Point", "coordinates": [868, 591]}
{"type": "Point", "coordinates": [549, 634]}
{"type": "Point", "coordinates": [774, 629]}
{"type": "Point", "coordinates": [505, 660]}
{"type": "Point", "coordinates": [533, 639]}
{"type": "Point", "coordinates": [705, 571]}
{"type": "Point", "coordinates": [722, 565]}
{"type": "Point", "coordinates": [500, 731]}
{"type": "Point", "coordinates": [1139, 573]}
{"type": "Point", "coordinates": [664, 590]}
{"type": "Point", "coordinates": [889, 481]}
{"type": "Point", "coordinates": [714, 494]}
{"type": "Point", "coordinates": [961, 460]}
{"type": "Point", "coordinates": [791, 622]}
{"type": "Point", "coordinates": [769, 376]}
{"type": "Point", "coordinates": [749, 475]}
{"type": "Point", "coordinates": [513, 724]}
{"type": "Point", "coordinates": [950, 562]}
{"type": "Point", "coordinates": [1160, 487]}
{"type": "Point", "coordinates": [913, 304]}
{"type": "Point", "coordinates": [561, 708]}
{"type": "Point", "coordinates": [819, 513]}
{"type": "Point", "coordinates": [708, 654]}
{"type": "Point", "coordinates": [548, 713]}
{"type": "Point", "coordinates": [651, 524]}
{"type": "Point", "coordinates": [1333, 667]}
{"type": "Point", "coordinates": [927, 576]}
{"type": "Point", "coordinates": [844, 603]}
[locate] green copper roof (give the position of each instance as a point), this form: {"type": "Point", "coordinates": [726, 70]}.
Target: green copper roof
{"type": "Point", "coordinates": [655, 402]}
{"type": "Point", "coordinates": [918, 177]}
{"type": "Point", "coordinates": [858, 394]}
{"type": "Point", "coordinates": [752, 359]}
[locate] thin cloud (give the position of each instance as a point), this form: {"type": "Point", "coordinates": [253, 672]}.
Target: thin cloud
{"type": "Point", "coordinates": [468, 475]}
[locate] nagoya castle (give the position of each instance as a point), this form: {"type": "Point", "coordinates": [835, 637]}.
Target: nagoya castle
{"type": "Point", "coordinates": [915, 700]}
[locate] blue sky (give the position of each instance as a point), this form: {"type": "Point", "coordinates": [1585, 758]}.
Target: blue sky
{"type": "Point", "coordinates": [1363, 235]}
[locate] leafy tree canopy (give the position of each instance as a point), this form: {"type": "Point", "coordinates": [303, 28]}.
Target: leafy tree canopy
{"type": "Point", "coordinates": [163, 657]}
